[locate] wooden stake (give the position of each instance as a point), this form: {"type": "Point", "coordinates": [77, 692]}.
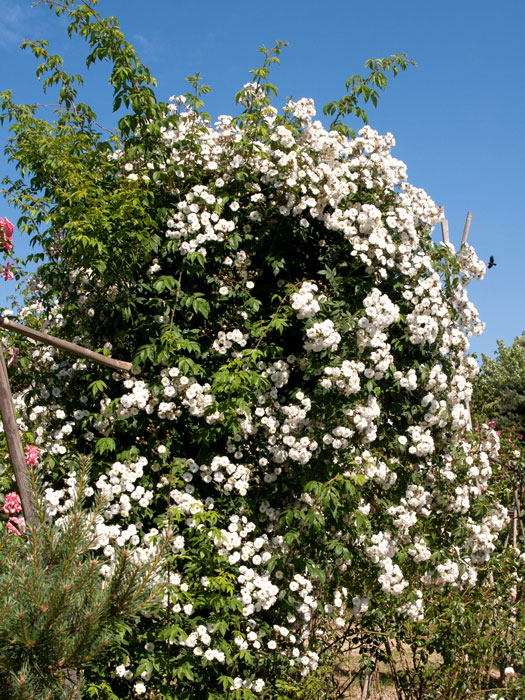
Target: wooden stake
{"type": "Point", "coordinates": [364, 692]}
{"type": "Point", "coordinates": [467, 226]}
{"type": "Point", "coordinates": [469, 416]}
{"type": "Point", "coordinates": [42, 337]}
{"type": "Point", "coordinates": [444, 227]}
{"type": "Point", "coordinates": [444, 231]}
{"type": "Point", "coordinates": [14, 443]}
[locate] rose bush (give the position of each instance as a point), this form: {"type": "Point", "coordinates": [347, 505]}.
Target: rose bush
{"type": "Point", "coordinates": [298, 409]}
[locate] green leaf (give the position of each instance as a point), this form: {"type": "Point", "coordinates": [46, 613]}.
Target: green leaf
{"type": "Point", "coordinates": [97, 387]}
{"type": "Point", "coordinates": [105, 444]}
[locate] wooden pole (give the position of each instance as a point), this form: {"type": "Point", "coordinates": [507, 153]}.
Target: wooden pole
{"type": "Point", "coordinates": [42, 337]}
{"type": "Point", "coordinates": [467, 226]}
{"type": "Point", "coordinates": [444, 227]}
{"type": "Point", "coordinates": [14, 443]}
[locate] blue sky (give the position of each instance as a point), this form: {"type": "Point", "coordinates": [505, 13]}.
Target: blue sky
{"type": "Point", "coordinates": [458, 118]}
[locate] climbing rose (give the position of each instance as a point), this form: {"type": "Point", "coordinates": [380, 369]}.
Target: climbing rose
{"type": "Point", "coordinates": [6, 233]}
{"type": "Point", "coordinates": [12, 503]}
{"type": "Point", "coordinates": [32, 453]}
{"type": "Point", "coordinates": [7, 273]}
{"type": "Point", "coordinates": [13, 522]}
{"type": "Point", "coordinates": [12, 358]}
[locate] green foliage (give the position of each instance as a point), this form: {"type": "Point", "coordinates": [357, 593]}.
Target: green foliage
{"type": "Point", "coordinates": [499, 390]}
{"type": "Point", "coordinates": [362, 90]}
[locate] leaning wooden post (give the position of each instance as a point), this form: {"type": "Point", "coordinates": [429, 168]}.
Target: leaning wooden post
{"type": "Point", "coordinates": [73, 348]}
{"type": "Point", "coordinates": [444, 227]}
{"type": "Point", "coordinates": [466, 229]}
{"type": "Point", "coordinates": [14, 443]}
{"type": "Point", "coordinates": [7, 408]}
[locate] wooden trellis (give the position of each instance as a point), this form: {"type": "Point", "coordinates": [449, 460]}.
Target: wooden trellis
{"type": "Point", "coordinates": [7, 409]}
{"type": "Point", "coordinates": [444, 227]}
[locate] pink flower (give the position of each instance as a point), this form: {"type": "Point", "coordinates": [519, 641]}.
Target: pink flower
{"type": "Point", "coordinates": [32, 453]}
{"type": "Point", "coordinates": [12, 358]}
{"type": "Point", "coordinates": [12, 522]}
{"type": "Point", "coordinates": [7, 273]}
{"type": "Point", "coordinates": [12, 503]}
{"type": "Point", "coordinates": [6, 234]}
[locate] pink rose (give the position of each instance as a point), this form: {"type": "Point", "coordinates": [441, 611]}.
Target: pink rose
{"type": "Point", "coordinates": [6, 234]}
{"type": "Point", "coordinates": [12, 503]}
{"type": "Point", "coordinates": [32, 453]}
{"type": "Point", "coordinates": [12, 358]}
{"type": "Point", "coordinates": [7, 274]}
{"type": "Point", "coordinates": [13, 522]}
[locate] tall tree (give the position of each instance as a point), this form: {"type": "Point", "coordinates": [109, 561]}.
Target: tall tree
{"type": "Point", "coordinates": [499, 390]}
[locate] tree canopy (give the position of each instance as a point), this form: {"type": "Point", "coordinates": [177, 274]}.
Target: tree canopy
{"type": "Point", "coordinates": [499, 389]}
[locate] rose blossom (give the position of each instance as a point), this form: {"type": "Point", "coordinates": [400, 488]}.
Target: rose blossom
{"type": "Point", "coordinates": [32, 453]}
{"type": "Point", "coordinates": [6, 233]}
{"type": "Point", "coordinates": [13, 522]}
{"type": "Point", "coordinates": [12, 503]}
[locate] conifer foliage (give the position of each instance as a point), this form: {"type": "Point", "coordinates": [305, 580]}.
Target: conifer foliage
{"type": "Point", "coordinates": [57, 611]}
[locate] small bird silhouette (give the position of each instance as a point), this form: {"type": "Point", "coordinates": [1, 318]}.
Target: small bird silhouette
{"type": "Point", "coordinates": [491, 262]}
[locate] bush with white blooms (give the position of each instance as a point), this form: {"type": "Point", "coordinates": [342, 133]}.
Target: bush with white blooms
{"type": "Point", "coordinates": [297, 413]}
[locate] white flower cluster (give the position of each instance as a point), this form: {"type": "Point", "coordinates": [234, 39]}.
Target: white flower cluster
{"type": "Point", "coordinates": [322, 336]}
{"type": "Point", "coordinates": [408, 381]}
{"type": "Point", "coordinates": [373, 468]}
{"type": "Point", "coordinates": [364, 417]}
{"type": "Point", "coordinates": [414, 610]}
{"type": "Point", "coordinates": [199, 638]}
{"type": "Point", "coordinates": [177, 391]}
{"type": "Point", "coordinates": [344, 378]}
{"type": "Point", "coordinates": [303, 587]}
{"type": "Point", "coordinates": [419, 550]}
{"type": "Point", "coordinates": [382, 549]}
{"type": "Point", "coordinates": [471, 266]}
{"type": "Point", "coordinates": [184, 502]}
{"type": "Point", "coordinates": [119, 486]}
{"type": "Point", "coordinates": [416, 501]}
{"type": "Point", "coordinates": [256, 686]}
{"type": "Point", "coordinates": [137, 399]}
{"type": "Point", "coordinates": [305, 302]}
{"type": "Point", "coordinates": [430, 310]}
{"type": "Point", "coordinates": [225, 341]}
{"type": "Point", "coordinates": [257, 591]}
{"type": "Point", "coordinates": [360, 605]}
{"type": "Point", "coordinates": [339, 438]}
{"type": "Point", "coordinates": [380, 310]}
{"type": "Point", "coordinates": [423, 442]}
{"type": "Point", "coordinates": [303, 110]}
{"type": "Point", "coordinates": [483, 535]}
{"type": "Point", "coordinates": [226, 474]}
{"type": "Point", "coordinates": [447, 572]}
{"type": "Point", "coordinates": [196, 222]}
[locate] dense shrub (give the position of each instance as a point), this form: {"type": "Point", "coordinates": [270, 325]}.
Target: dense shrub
{"type": "Point", "coordinates": [297, 412]}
